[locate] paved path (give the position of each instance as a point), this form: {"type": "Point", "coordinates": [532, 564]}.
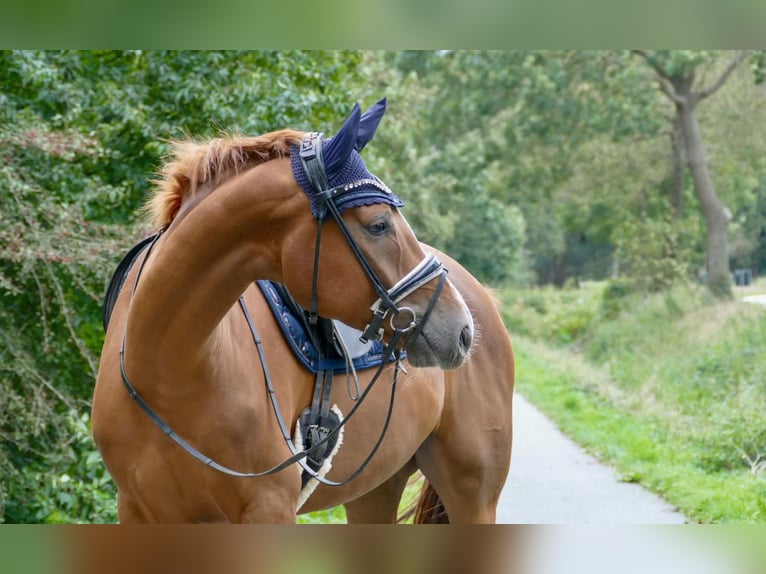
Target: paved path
{"type": "Point", "coordinates": [760, 299]}
{"type": "Point", "coordinates": [553, 481]}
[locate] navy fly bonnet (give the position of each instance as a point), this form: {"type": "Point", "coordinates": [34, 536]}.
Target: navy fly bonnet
{"type": "Point", "coordinates": [344, 166]}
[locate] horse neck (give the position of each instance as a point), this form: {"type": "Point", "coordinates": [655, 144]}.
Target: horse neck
{"type": "Point", "coordinates": [203, 264]}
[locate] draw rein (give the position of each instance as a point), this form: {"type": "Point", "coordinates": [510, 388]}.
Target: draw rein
{"type": "Point", "coordinates": [428, 269]}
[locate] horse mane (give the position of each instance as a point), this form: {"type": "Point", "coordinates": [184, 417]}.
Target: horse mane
{"type": "Point", "coordinates": [192, 164]}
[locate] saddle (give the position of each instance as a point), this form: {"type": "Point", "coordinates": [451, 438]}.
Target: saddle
{"type": "Point", "coordinates": [325, 348]}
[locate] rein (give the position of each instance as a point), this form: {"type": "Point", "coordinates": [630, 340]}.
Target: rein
{"type": "Point", "coordinates": [297, 455]}
{"type": "Point", "coordinates": [403, 331]}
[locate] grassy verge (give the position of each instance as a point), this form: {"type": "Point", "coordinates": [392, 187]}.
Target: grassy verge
{"type": "Point", "coordinates": [670, 388]}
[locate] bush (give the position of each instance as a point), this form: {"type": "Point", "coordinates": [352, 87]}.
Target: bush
{"type": "Point", "coordinates": [569, 326]}
{"type": "Point", "coordinates": [80, 136]}
{"type": "Point", "coordinates": [614, 297]}
{"type": "Point", "coordinates": [656, 253]}
{"type": "Point", "coordinates": [735, 435]}
{"type": "Point", "coordinates": [558, 316]}
{"type": "Point", "coordinates": [68, 485]}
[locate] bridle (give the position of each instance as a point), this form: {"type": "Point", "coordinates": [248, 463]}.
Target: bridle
{"type": "Point", "coordinates": [428, 269]}
{"type": "Point", "coordinates": [404, 331]}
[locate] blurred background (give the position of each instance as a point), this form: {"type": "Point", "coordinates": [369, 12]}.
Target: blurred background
{"type": "Point", "coordinates": [615, 201]}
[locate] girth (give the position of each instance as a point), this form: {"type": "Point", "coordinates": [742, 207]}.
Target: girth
{"type": "Point", "coordinates": [317, 421]}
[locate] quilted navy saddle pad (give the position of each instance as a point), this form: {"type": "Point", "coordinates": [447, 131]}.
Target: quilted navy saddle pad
{"type": "Point", "coordinates": [291, 319]}
{"type": "Point", "coordinates": [294, 325]}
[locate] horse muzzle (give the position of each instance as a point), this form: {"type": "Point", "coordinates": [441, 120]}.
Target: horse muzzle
{"type": "Point", "coordinates": [446, 339]}
{"type": "Point", "coordinates": [437, 350]}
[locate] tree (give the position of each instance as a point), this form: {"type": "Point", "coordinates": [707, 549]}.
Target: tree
{"type": "Point", "coordinates": [81, 134]}
{"type": "Point", "coordinates": [451, 177]}
{"type": "Point", "coordinates": [522, 118]}
{"type": "Point", "coordinates": [676, 73]}
{"type": "Point", "coordinates": [578, 141]}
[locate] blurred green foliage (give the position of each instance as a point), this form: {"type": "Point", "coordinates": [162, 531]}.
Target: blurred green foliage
{"type": "Point", "coordinates": [80, 136]}
{"type": "Point", "coordinates": [657, 253]}
{"type": "Point", "coordinates": [544, 167]}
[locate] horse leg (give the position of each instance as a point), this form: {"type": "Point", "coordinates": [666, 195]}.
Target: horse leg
{"type": "Point", "coordinates": [467, 480]}
{"type": "Point", "coordinates": [380, 505]}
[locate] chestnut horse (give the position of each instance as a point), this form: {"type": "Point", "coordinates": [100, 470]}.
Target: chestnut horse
{"type": "Point", "coordinates": [238, 209]}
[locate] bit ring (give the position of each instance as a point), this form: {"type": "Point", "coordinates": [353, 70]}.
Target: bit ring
{"type": "Point", "coordinates": [407, 326]}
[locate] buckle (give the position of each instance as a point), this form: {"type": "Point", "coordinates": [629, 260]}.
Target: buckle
{"type": "Point", "coordinates": [373, 330]}
{"type": "Point", "coordinates": [308, 145]}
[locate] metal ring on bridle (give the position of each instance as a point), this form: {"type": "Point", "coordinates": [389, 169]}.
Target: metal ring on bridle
{"type": "Point", "coordinates": [409, 325]}
{"type": "Point", "coordinates": [429, 268]}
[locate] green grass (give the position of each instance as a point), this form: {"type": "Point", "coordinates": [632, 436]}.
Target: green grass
{"type": "Point", "coordinates": [337, 515]}
{"type": "Point", "coordinates": [670, 389]}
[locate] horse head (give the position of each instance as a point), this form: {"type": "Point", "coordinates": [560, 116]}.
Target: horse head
{"type": "Point", "coordinates": [367, 267]}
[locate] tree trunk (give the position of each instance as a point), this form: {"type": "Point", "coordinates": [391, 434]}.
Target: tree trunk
{"type": "Point", "coordinates": [678, 87]}
{"type": "Point", "coordinates": [676, 185]}
{"type": "Point", "coordinates": [717, 216]}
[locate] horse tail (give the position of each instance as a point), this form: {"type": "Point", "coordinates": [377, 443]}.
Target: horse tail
{"type": "Point", "coordinates": [429, 508]}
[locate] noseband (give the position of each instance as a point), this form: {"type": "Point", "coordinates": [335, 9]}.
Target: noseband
{"type": "Point", "coordinates": [403, 319]}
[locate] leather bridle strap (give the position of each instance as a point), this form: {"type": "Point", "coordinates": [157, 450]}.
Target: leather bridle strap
{"type": "Point", "coordinates": [297, 455]}
{"type": "Point", "coordinates": [429, 268]}
{"type": "Point", "coordinates": [318, 178]}
{"type": "Point", "coordinates": [413, 335]}
{"type": "Point", "coordinates": [300, 455]}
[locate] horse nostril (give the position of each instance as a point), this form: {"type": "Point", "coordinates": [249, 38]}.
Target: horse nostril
{"type": "Point", "coordinates": [466, 337]}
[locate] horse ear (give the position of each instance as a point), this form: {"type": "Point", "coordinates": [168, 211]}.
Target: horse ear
{"type": "Point", "coordinates": [369, 123]}
{"type": "Point", "coordinates": [337, 149]}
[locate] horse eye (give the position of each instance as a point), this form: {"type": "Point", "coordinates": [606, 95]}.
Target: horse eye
{"type": "Point", "coordinates": [378, 228]}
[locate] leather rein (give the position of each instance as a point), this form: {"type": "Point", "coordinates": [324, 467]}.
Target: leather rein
{"type": "Point", "coordinates": [404, 331]}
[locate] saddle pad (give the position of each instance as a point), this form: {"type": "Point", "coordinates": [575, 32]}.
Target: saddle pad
{"type": "Point", "coordinates": [292, 325]}
{"type": "Point", "coordinates": [294, 331]}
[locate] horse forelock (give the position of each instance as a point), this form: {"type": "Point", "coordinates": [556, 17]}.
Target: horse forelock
{"type": "Point", "coordinates": [192, 165]}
